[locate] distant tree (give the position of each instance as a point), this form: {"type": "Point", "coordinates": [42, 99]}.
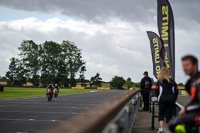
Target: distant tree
{"type": "Point", "coordinates": [50, 57]}
{"type": "Point", "coordinates": [96, 80]}
{"type": "Point", "coordinates": [136, 84]}
{"type": "Point", "coordinates": [128, 83]}
{"type": "Point", "coordinates": [3, 79]}
{"type": "Point", "coordinates": [153, 83]}
{"type": "Point", "coordinates": [16, 73]}
{"type": "Point", "coordinates": [180, 84]}
{"type": "Point", "coordinates": [72, 82]}
{"type": "Point", "coordinates": [30, 56]}
{"type": "Point", "coordinates": [73, 59]}
{"type": "Point", "coordinates": [82, 76]}
{"type": "Point", "coordinates": [117, 82]}
{"type": "Point", "coordinates": [51, 62]}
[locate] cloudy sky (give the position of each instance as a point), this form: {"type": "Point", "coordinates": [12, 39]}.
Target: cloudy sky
{"type": "Point", "coordinates": [111, 33]}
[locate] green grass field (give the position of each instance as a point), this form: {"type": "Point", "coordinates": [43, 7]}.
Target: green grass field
{"type": "Point", "coordinates": [15, 93]}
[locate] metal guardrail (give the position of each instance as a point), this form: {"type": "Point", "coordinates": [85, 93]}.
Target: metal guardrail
{"type": "Point", "coordinates": [114, 116]}
{"type": "Point", "coordinates": [176, 110]}
{"type": "Point", "coordinates": [197, 127]}
{"type": "Point", "coordinates": [124, 121]}
{"type": "Point", "coordinates": [154, 103]}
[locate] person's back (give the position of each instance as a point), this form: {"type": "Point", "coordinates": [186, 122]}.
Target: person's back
{"type": "Point", "coordinates": [167, 91]}
{"type": "Point", "coordinates": [145, 86]}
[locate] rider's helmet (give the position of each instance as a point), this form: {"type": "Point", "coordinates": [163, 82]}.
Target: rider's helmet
{"type": "Point", "coordinates": [180, 128]}
{"type": "Point", "coordinates": [50, 86]}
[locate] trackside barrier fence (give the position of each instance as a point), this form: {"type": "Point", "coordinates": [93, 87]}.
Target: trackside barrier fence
{"type": "Point", "coordinates": [114, 116]}
{"type": "Point", "coordinates": [178, 107]}
{"type": "Point", "coordinates": [175, 113]}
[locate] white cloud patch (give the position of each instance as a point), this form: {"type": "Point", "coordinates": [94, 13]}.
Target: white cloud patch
{"type": "Point", "coordinates": [113, 48]}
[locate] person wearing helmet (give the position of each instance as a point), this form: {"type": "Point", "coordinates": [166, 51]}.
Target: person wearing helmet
{"type": "Point", "coordinates": [56, 87]}
{"type": "Point", "coordinates": [50, 86]}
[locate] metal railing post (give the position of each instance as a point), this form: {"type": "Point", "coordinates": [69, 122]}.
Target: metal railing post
{"type": "Point", "coordinates": [153, 115]}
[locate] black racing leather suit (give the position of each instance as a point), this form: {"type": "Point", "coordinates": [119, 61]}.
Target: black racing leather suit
{"type": "Point", "coordinates": [192, 115]}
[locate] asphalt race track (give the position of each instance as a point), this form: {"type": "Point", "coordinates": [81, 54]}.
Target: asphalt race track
{"type": "Point", "coordinates": [33, 114]}
{"type": "Point", "coordinates": [183, 100]}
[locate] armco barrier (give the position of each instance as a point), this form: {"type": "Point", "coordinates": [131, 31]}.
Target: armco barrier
{"type": "Point", "coordinates": [175, 113]}
{"type": "Point", "coordinates": [102, 88]}
{"type": "Point", "coordinates": [79, 88]}
{"type": "Point", "coordinates": [114, 116]}
{"type": "Point", "coordinates": [197, 127]}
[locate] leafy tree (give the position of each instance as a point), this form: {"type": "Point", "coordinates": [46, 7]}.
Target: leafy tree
{"type": "Point", "coordinates": [117, 82]}
{"type": "Point", "coordinates": [81, 76]}
{"type": "Point", "coordinates": [73, 59]}
{"type": "Point", "coordinates": [180, 84]}
{"type": "Point", "coordinates": [128, 83]}
{"type": "Point", "coordinates": [3, 79]}
{"type": "Point", "coordinates": [152, 81]}
{"type": "Point", "coordinates": [96, 80]}
{"type": "Point", "coordinates": [16, 73]}
{"type": "Point", "coordinates": [50, 57]}
{"type": "Point", "coordinates": [136, 84]}
{"type": "Point", "coordinates": [72, 82]}
{"type": "Point", "coordinates": [30, 54]}
{"type": "Point", "coordinates": [51, 62]}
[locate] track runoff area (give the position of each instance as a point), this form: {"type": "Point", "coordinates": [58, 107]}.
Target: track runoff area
{"type": "Point", "coordinates": [34, 114]}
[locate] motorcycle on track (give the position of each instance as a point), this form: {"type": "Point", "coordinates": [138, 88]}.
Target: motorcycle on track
{"type": "Point", "coordinates": [55, 91]}
{"type": "Point", "coordinates": [49, 94]}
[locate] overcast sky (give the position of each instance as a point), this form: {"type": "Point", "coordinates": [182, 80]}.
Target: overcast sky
{"type": "Point", "coordinates": [111, 33]}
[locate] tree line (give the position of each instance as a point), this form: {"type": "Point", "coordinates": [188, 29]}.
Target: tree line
{"type": "Point", "coordinates": [51, 62]}
{"type": "Point", "coordinates": [45, 63]}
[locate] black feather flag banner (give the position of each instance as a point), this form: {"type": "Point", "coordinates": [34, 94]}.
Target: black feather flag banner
{"type": "Point", "coordinates": [166, 30]}
{"type": "Point", "coordinates": [156, 51]}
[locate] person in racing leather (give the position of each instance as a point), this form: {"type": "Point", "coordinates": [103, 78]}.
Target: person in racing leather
{"type": "Point", "coordinates": [50, 86]}
{"type": "Point", "coordinates": [56, 87]}
{"type": "Point", "coordinates": [190, 114]}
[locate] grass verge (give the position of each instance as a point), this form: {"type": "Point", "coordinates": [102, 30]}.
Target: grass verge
{"type": "Point", "coordinates": [16, 93]}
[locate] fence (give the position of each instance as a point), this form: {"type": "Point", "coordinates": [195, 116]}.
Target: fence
{"type": "Point", "coordinates": [114, 116]}
{"type": "Point", "coordinates": [154, 102]}
{"type": "Point", "coordinates": [178, 107]}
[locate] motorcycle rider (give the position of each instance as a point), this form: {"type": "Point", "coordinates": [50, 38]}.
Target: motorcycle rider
{"type": "Point", "coordinates": [190, 114]}
{"type": "Point", "coordinates": [56, 87]}
{"type": "Point", "coordinates": [50, 86]}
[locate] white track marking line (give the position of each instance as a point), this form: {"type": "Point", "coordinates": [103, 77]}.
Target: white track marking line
{"type": "Point", "coordinates": [39, 112]}
{"type": "Point", "coordinates": [29, 120]}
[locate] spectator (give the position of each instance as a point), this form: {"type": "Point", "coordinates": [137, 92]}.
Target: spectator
{"type": "Point", "coordinates": [145, 86]}
{"type": "Point", "coordinates": [166, 92]}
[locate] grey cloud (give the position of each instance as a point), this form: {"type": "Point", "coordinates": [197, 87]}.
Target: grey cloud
{"type": "Point", "coordinates": [127, 58]}
{"type": "Point", "coordinates": [103, 10]}
{"type": "Point", "coordinates": [91, 10]}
